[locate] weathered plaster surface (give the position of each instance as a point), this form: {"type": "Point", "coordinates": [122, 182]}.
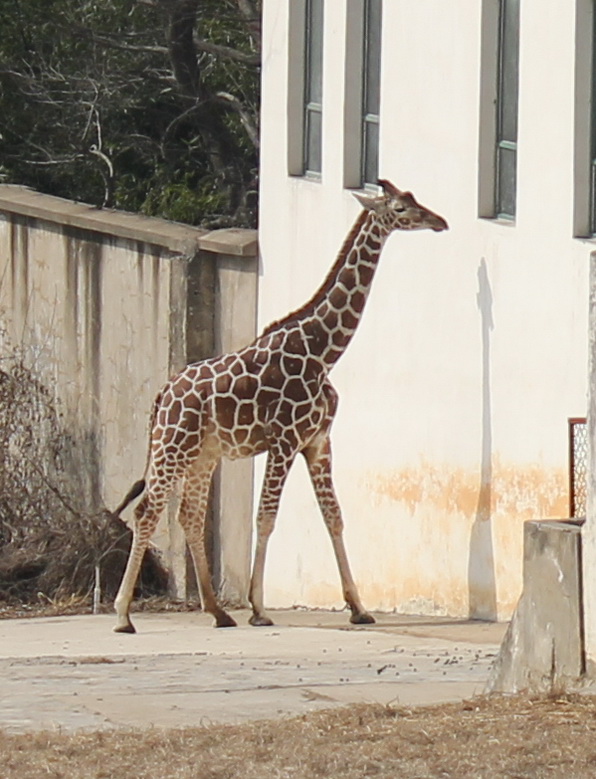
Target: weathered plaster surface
{"type": "Point", "coordinates": [471, 354]}
{"type": "Point", "coordinates": [104, 306]}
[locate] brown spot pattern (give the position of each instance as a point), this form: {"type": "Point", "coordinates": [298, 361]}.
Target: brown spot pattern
{"type": "Point", "coordinates": [275, 395]}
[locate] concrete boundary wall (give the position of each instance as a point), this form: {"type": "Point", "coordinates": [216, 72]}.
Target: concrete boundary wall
{"type": "Point", "coordinates": [105, 306]}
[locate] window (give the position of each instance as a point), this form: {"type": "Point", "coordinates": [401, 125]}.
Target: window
{"type": "Point", "coordinates": [305, 87]}
{"type": "Point", "coordinates": [371, 97]}
{"type": "Point", "coordinates": [593, 132]}
{"type": "Point", "coordinates": [584, 155]}
{"type": "Point", "coordinates": [507, 103]}
{"type": "Point", "coordinates": [313, 86]}
{"type": "Point", "coordinates": [363, 92]}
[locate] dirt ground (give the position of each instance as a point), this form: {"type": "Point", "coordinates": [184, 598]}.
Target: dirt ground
{"type": "Point", "coordinates": [74, 673]}
{"type": "Point", "coordinates": [483, 738]}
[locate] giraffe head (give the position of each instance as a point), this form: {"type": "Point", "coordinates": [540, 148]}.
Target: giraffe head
{"type": "Point", "coordinates": [397, 210]}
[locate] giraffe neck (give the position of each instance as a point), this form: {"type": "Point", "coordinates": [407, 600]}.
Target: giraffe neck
{"type": "Point", "coordinates": [332, 315]}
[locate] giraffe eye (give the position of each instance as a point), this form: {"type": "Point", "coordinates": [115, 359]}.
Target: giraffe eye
{"type": "Point", "coordinates": [400, 209]}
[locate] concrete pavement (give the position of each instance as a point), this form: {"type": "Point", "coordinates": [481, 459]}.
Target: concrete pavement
{"type": "Point", "coordinates": [177, 670]}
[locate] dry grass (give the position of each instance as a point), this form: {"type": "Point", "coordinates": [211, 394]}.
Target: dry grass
{"type": "Point", "coordinates": [487, 738]}
{"type": "Point", "coordinates": [54, 534]}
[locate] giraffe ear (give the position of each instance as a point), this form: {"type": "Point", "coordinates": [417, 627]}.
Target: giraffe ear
{"type": "Point", "coordinates": [390, 189]}
{"type": "Point", "coordinates": [369, 202]}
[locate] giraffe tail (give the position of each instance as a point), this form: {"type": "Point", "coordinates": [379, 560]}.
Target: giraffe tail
{"type": "Point", "coordinates": [134, 492]}
{"type": "Point", "coordinates": [138, 487]}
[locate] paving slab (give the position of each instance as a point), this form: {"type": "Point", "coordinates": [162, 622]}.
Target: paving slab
{"type": "Point", "coordinates": [178, 670]}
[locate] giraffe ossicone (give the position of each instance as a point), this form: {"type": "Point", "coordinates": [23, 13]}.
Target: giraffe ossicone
{"type": "Point", "coordinates": [273, 396]}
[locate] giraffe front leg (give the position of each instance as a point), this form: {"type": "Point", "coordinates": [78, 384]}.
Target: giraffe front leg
{"type": "Point", "coordinates": [191, 516]}
{"type": "Point", "coordinates": [318, 460]}
{"type": "Point", "coordinates": [276, 472]}
{"type": "Point", "coordinates": [146, 517]}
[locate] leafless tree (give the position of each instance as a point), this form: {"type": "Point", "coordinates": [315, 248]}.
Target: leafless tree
{"type": "Point", "coordinates": [149, 105]}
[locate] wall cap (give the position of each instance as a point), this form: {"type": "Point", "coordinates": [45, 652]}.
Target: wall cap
{"type": "Point", "coordinates": [232, 240]}
{"type": "Point", "coordinates": [175, 236]}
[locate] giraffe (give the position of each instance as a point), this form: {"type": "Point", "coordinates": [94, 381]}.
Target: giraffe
{"type": "Point", "coordinates": [272, 396]}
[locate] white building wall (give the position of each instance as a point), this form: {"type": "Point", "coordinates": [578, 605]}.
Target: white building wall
{"type": "Point", "coordinates": [472, 353]}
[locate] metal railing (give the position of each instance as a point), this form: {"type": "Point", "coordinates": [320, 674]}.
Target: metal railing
{"type": "Point", "coordinates": [578, 466]}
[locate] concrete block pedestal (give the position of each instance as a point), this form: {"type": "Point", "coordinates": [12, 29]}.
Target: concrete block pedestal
{"type": "Point", "coordinates": [543, 649]}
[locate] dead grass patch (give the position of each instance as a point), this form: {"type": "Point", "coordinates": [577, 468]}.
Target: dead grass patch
{"type": "Point", "coordinates": [485, 738]}
{"type": "Point", "coordinates": [57, 541]}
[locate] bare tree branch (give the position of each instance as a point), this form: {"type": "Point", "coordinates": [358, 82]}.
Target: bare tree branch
{"type": "Point", "coordinates": [56, 161]}
{"type": "Point", "coordinates": [227, 52]}
{"type": "Point", "coordinates": [175, 84]}
{"type": "Point", "coordinates": [251, 13]}
{"type": "Point", "coordinates": [246, 119]}
{"type": "Point", "coordinates": [124, 45]}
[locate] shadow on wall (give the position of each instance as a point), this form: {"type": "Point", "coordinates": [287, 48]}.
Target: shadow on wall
{"type": "Point", "coordinates": [481, 563]}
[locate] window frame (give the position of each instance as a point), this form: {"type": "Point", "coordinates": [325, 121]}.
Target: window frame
{"type": "Point", "coordinates": [489, 114]}
{"type": "Point", "coordinates": [507, 102]}
{"type": "Point", "coordinates": [300, 109]}
{"type": "Point", "coordinates": [592, 131]}
{"type": "Point", "coordinates": [584, 194]}
{"type": "Point", "coordinates": [313, 88]}
{"type": "Point", "coordinates": [371, 119]}
{"type": "Point", "coordinates": [358, 120]}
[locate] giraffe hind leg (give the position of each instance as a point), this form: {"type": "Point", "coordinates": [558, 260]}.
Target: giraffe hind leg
{"type": "Point", "coordinates": [191, 516]}
{"type": "Point", "coordinates": [276, 472]}
{"type": "Point", "coordinates": [146, 517]}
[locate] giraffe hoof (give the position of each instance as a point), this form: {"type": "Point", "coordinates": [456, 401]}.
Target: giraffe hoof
{"type": "Point", "coordinates": [260, 622]}
{"type": "Point", "coordinates": [126, 628]}
{"type": "Point", "coordinates": [364, 618]}
{"type": "Point", "coordinates": [224, 621]}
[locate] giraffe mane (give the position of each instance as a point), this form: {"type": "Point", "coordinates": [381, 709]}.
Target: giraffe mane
{"type": "Point", "coordinates": [309, 306]}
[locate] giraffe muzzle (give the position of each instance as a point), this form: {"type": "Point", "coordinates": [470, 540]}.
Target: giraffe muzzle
{"type": "Point", "coordinates": [440, 224]}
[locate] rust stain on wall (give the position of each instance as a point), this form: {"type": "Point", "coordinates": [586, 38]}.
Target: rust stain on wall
{"type": "Point", "coordinates": [441, 540]}
{"type": "Point", "coordinates": [464, 532]}
{"type": "Point", "coordinates": [528, 491]}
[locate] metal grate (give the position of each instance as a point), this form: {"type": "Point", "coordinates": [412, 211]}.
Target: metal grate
{"type": "Point", "coordinates": [578, 466]}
